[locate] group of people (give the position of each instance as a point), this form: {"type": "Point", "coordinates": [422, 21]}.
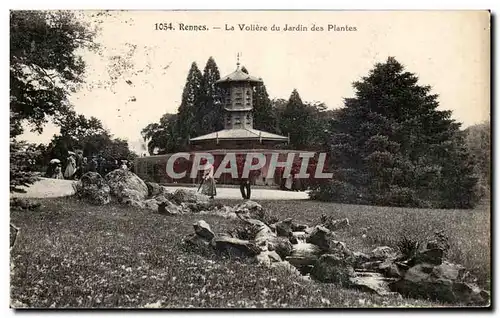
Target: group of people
{"type": "Point", "coordinates": [208, 180]}
{"type": "Point", "coordinates": [76, 165]}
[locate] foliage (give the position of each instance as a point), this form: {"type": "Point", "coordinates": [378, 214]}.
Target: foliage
{"type": "Point", "coordinates": [408, 247]}
{"type": "Point", "coordinates": [44, 65]}
{"type": "Point", "coordinates": [44, 68]}
{"type": "Point", "coordinates": [186, 114]}
{"type": "Point", "coordinates": [478, 139]}
{"type": "Point", "coordinates": [22, 166]}
{"type": "Point", "coordinates": [88, 135]}
{"type": "Point", "coordinates": [391, 146]}
{"type": "Point", "coordinates": [209, 111]}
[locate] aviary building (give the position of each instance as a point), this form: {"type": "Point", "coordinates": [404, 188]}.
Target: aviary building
{"type": "Point", "coordinates": [238, 136]}
{"type": "Point", "coordinates": [238, 129]}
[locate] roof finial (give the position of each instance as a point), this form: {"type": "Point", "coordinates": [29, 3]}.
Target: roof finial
{"type": "Point", "coordinates": [238, 60]}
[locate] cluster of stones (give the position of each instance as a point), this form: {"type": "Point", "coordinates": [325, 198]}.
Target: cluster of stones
{"type": "Point", "coordinates": [314, 251]}
{"type": "Point", "coordinates": [309, 250]}
{"type": "Point", "coordinates": [127, 188]}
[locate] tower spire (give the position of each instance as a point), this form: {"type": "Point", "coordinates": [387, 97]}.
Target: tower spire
{"type": "Point", "coordinates": [238, 60]}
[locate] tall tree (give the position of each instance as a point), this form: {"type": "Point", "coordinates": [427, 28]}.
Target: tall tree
{"type": "Point", "coordinates": [293, 121]}
{"type": "Point", "coordinates": [391, 146]}
{"type": "Point", "coordinates": [263, 114]}
{"type": "Point", "coordinates": [44, 68]}
{"type": "Point", "coordinates": [44, 64]}
{"type": "Point", "coordinates": [478, 139]}
{"type": "Point", "coordinates": [162, 137]}
{"type": "Point", "coordinates": [209, 112]}
{"type": "Point", "coordinates": [186, 114]}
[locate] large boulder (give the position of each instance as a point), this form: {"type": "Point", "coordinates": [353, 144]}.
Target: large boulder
{"type": "Point", "coordinates": [168, 208]}
{"type": "Point", "coordinates": [381, 253]}
{"type": "Point", "coordinates": [236, 247]}
{"type": "Point", "coordinates": [202, 229]}
{"type": "Point", "coordinates": [93, 188]}
{"type": "Point", "coordinates": [322, 237]}
{"type": "Point", "coordinates": [126, 186]}
{"type": "Point", "coordinates": [252, 210]}
{"type": "Point", "coordinates": [336, 225]}
{"type": "Point", "coordinates": [371, 282]}
{"type": "Point", "coordinates": [304, 256]}
{"type": "Point", "coordinates": [432, 256]}
{"type": "Point", "coordinates": [281, 245]}
{"type": "Point", "coordinates": [444, 282]}
{"type": "Point", "coordinates": [187, 196]}
{"type": "Point", "coordinates": [284, 227]}
{"type": "Point", "coordinates": [333, 268]}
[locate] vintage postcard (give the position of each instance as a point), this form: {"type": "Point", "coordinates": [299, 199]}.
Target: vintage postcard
{"type": "Point", "coordinates": [250, 159]}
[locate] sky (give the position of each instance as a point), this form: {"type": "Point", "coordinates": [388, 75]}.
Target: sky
{"type": "Point", "coordinates": [140, 72]}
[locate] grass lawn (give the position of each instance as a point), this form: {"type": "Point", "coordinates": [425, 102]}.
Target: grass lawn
{"type": "Point", "coordinates": [71, 254]}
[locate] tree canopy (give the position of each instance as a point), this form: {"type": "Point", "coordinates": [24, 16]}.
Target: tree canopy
{"type": "Point", "coordinates": [391, 146]}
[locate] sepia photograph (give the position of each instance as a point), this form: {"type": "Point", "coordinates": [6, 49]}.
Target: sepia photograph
{"type": "Point", "coordinates": [164, 159]}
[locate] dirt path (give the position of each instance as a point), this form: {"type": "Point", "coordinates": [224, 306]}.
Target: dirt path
{"type": "Point", "coordinates": [51, 188]}
{"type": "Point", "coordinates": [48, 188]}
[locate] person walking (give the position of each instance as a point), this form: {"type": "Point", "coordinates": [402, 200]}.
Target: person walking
{"type": "Point", "coordinates": [244, 182]}
{"type": "Point", "coordinates": [209, 181]}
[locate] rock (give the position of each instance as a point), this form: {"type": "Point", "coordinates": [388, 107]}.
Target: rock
{"type": "Point", "coordinates": [281, 245]}
{"type": "Point", "coordinates": [93, 188]}
{"type": "Point", "coordinates": [284, 228]}
{"type": "Point", "coordinates": [390, 269]}
{"type": "Point", "coordinates": [332, 268]}
{"type": "Point", "coordinates": [293, 239]}
{"type": "Point", "coordinates": [203, 229]}
{"type": "Point", "coordinates": [359, 258]}
{"type": "Point", "coordinates": [372, 283]}
{"type": "Point", "coordinates": [296, 227]}
{"type": "Point", "coordinates": [268, 257]}
{"type": "Point", "coordinates": [252, 210]}
{"type": "Point", "coordinates": [197, 241]}
{"type": "Point", "coordinates": [324, 239]}
{"type": "Point", "coordinates": [432, 256]}
{"type": "Point", "coordinates": [335, 225]}
{"type": "Point", "coordinates": [382, 253]}
{"type": "Point", "coordinates": [154, 189]}
{"type": "Point", "coordinates": [134, 203]}
{"type": "Point", "coordinates": [303, 256]}
{"type": "Point", "coordinates": [236, 247]}
{"type": "Point", "coordinates": [151, 204]}
{"type": "Point", "coordinates": [187, 196]}
{"type": "Point", "coordinates": [126, 186]}
{"type": "Point", "coordinates": [439, 282]}
{"type": "Point", "coordinates": [168, 208]}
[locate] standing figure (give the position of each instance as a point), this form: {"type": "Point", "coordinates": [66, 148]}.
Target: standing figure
{"type": "Point", "coordinates": [69, 172]}
{"type": "Point", "coordinates": [79, 164]}
{"type": "Point", "coordinates": [209, 183]}
{"type": "Point", "coordinates": [244, 182]}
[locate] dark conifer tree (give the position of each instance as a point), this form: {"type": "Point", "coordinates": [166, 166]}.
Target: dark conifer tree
{"type": "Point", "coordinates": [391, 146]}
{"type": "Point", "coordinates": [186, 118]}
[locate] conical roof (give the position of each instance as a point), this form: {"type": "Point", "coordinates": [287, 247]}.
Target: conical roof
{"type": "Point", "coordinates": [239, 76]}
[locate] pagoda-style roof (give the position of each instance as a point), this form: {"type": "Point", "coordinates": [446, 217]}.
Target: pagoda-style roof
{"type": "Point", "coordinates": [240, 134]}
{"type": "Point", "coordinates": [239, 76]}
